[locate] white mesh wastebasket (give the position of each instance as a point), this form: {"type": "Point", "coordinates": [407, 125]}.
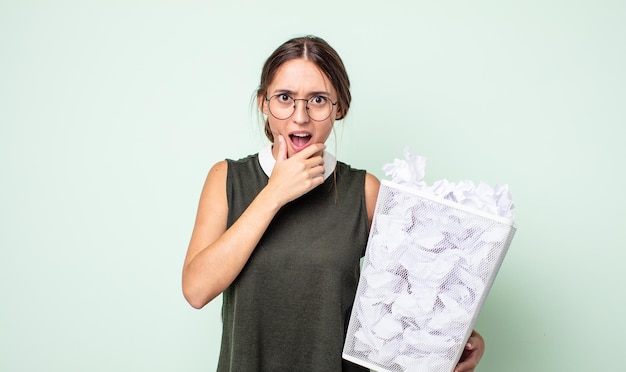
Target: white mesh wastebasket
{"type": "Point", "coordinates": [428, 268]}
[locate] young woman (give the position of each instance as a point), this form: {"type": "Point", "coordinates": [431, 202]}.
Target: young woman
{"type": "Point", "coordinates": [280, 233]}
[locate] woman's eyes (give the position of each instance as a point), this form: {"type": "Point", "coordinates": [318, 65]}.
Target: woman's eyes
{"type": "Point", "coordinates": [284, 98]}
{"type": "Point", "coordinates": [318, 100]}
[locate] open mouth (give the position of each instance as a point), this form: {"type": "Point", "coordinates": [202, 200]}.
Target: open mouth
{"type": "Point", "coordinates": [300, 140]}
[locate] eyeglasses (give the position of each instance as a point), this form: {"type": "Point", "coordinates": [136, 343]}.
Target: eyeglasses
{"type": "Point", "coordinates": [282, 106]}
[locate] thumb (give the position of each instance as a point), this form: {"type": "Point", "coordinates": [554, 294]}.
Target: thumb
{"type": "Point", "coordinates": [282, 148]}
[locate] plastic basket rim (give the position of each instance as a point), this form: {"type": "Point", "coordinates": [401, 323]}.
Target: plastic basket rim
{"type": "Point", "coordinates": [452, 204]}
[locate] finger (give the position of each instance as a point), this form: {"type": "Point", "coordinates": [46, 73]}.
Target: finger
{"type": "Point", "coordinates": [317, 171]}
{"type": "Point", "coordinates": [315, 166]}
{"type": "Point", "coordinates": [311, 150]}
{"type": "Point", "coordinates": [465, 366]}
{"type": "Point", "coordinates": [282, 148]}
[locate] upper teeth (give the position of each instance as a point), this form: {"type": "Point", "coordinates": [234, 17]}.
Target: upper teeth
{"type": "Point", "coordinates": [300, 135]}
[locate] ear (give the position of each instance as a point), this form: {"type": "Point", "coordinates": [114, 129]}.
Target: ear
{"type": "Point", "coordinates": [262, 103]}
{"type": "Point", "coordinates": [339, 113]}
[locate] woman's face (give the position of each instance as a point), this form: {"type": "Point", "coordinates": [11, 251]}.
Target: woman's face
{"type": "Point", "coordinates": [299, 79]}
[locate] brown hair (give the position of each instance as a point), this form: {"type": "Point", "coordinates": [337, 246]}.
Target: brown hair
{"type": "Point", "coordinates": [318, 51]}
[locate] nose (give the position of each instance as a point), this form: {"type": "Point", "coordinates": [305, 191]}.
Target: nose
{"type": "Point", "coordinates": [300, 115]}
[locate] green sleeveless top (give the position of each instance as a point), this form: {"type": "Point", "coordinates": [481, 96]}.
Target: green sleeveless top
{"type": "Point", "coordinates": [288, 310]}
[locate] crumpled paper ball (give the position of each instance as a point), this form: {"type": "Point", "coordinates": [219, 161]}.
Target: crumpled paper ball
{"type": "Point", "coordinates": [411, 171]}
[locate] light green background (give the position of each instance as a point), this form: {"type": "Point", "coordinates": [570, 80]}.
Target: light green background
{"type": "Point", "coordinates": [111, 113]}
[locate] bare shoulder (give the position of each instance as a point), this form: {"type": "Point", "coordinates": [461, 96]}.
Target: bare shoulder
{"type": "Point", "coordinates": [213, 197]}
{"type": "Point", "coordinates": [213, 204]}
{"type": "Point", "coordinates": [372, 185]}
{"type": "Point", "coordinates": [219, 170]}
{"type": "Point", "coordinates": [216, 179]}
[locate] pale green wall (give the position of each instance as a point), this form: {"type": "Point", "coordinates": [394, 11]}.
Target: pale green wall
{"type": "Point", "coordinates": [111, 113]}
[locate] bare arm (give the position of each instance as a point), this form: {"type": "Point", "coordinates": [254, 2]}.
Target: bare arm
{"type": "Point", "coordinates": [372, 185]}
{"type": "Point", "coordinates": [216, 255]}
